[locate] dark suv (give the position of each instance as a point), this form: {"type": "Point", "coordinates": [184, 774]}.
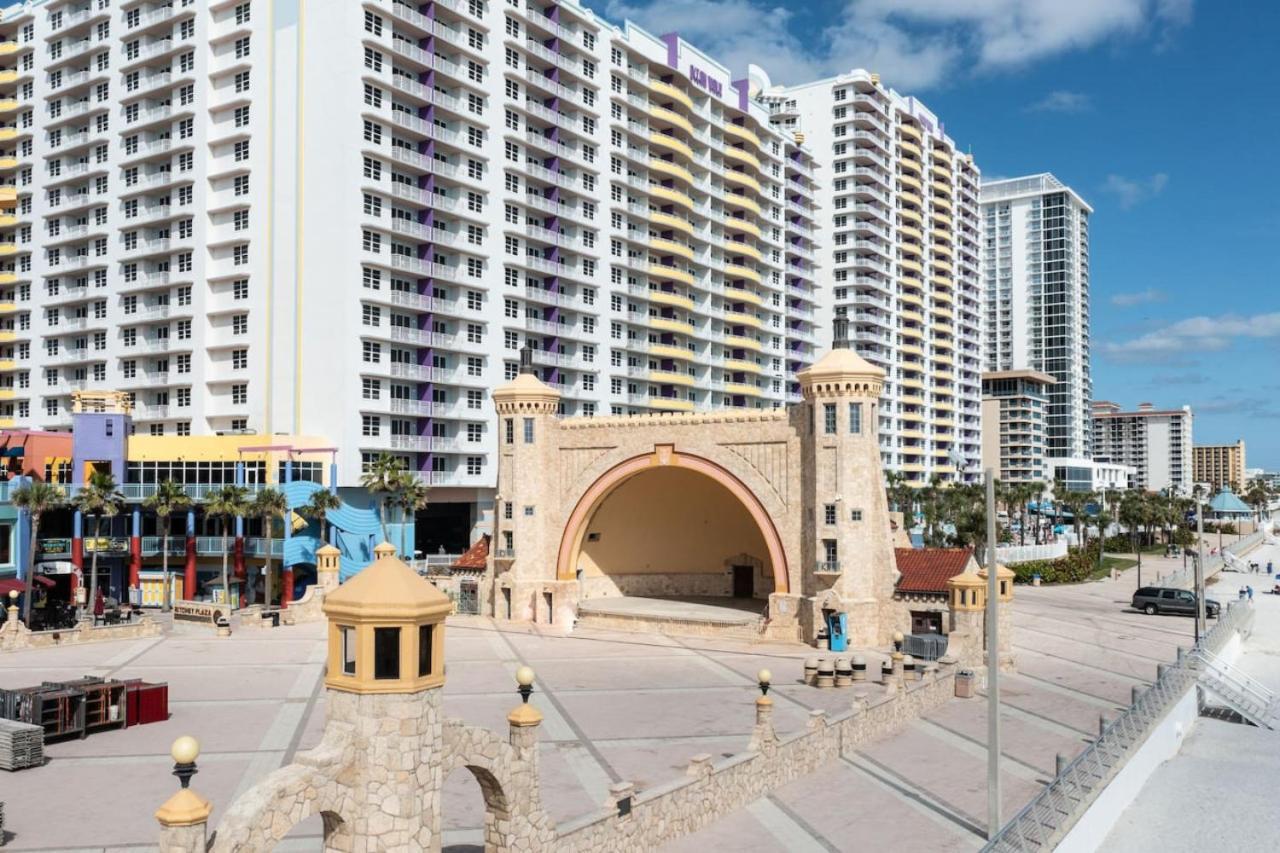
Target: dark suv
{"type": "Point", "coordinates": [1164, 599]}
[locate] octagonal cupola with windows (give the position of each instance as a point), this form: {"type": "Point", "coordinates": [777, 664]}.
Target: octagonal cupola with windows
{"type": "Point", "coordinates": [386, 630]}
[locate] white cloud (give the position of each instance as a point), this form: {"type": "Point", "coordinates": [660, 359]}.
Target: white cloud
{"type": "Point", "coordinates": [1195, 335]}
{"type": "Point", "coordinates": [1132, 191]}
{"type": "Point", "coordinates": [913, 44]}
{"type": "Point", "coordinates": [1140, 297]}
{"type": "Point", "coordinates": [1062, 102]}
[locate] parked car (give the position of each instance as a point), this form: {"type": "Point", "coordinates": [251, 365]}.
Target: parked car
{"type": "Point", "coordinates": [1163, 599]}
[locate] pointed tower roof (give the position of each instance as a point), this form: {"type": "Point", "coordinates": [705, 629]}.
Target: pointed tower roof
{"type": "Point", "coordinates": [526, 393]}
{"type": "Point", "coordinates": [387, 590]}
{"type": "Point", "coordinates": [841, 370]}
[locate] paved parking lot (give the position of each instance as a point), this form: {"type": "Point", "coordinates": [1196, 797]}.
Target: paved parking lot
{"type": "Point", "coordinates": [617, 706]}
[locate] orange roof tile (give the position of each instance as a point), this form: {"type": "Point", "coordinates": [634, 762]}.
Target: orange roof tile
{"type": "Point", "coordinates": [927, 570]}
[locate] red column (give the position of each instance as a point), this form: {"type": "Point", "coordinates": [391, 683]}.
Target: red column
{"type": "Point", "coordinates": [77, 560]}
{"type": "Point", "coordinates": [286, 587]}
{"type": "Point", "coordinates": [189, 586]}
{"type": "Point", "coordinates": [238, 559]}
{"type": "Point", "coordinates": [135, 561]}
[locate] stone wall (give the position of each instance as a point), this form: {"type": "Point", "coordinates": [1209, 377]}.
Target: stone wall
{"type": "Point", "coordinates": [14, 635]}
{"type": "Point", "coordinates": [650, 584]}
{"type": "Point", "coordinates": [712, 790]}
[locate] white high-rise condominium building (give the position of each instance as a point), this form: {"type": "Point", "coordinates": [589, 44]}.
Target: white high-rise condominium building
{"type": "Point", "coordinates": [900, 234]}
{"type": "Point", "coordinates": [1156, 443]}
{"type": "Point", "coordinates": [1036, 275]}
{"type": "Point", "coordinates": [345, 219]}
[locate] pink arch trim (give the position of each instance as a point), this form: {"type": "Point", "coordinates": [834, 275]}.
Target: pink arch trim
{"type": "Point", "coordinates": [575, 528]}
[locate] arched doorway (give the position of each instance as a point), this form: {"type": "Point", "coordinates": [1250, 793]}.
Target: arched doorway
{"type": "Point", "coordinates": [671, 525]}
{"type": "Point", "coordinates": [470, 824]}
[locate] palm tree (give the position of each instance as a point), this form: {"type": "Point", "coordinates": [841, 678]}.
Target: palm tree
{"type": "Point", "coordinates": [98, 498]}
{"type": "Point", "coordinates": [317, 508]}
{"type": "Point", "coordinates": [226, 504]}
{"type": "Point", "coordinates": [380, 481]}
{"type": "Point", "coordinates": [35, 498]}
{"type": "Point", "coordinates": [411, 495]}
{"type": "Point", "coordinates": [269, 505]}
{"type": "Point", "coordinates": [1134, 512]}
{"type": "Point", "coordinates": [167, 499]}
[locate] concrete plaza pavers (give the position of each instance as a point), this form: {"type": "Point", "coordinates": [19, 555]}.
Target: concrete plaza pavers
{"type": "Point", "coordinates": [617, 706]}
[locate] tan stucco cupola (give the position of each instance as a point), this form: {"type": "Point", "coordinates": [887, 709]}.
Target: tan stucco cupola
{"type": "Point", "coordinates": [386, 630]}
{"type": "Point", "coordinates": [841, 371]}
{"type": "Point", "coordinates": [1004, 581]}
{"type": "Point", "coordinates": [526, 394]}
{"type": "Point", "coordinates": [966, 591]}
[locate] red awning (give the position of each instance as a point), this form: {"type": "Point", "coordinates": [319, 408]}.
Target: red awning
{"type": "Point", "coordinates": [20, 585]}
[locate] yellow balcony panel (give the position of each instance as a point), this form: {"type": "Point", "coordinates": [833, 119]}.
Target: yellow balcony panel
{"type": "Point", "coordinates": [941, 249]}
{"type": "Point", "coordinates": [910, 215]}
{"type": "Point", "coordinates": [8, 133]}
{"type": "Point", "coordinates": [941, 193]}
{"type": "Point", "coordinates": [7, 48]}
{"type": "Point", "coordinates": [8, 196]}
{"type": "Point", "coordinates": [7, 336]}
{"type": "Point", "coordinates": [737, 317]}
{"type": "Point", "coordinates": [671, 404]}
{"type": "Point", "coordinates": [668, 194]}
{"type": "Point", "coordinates": [674, 299]}
{"type": "Point", "coordinates": [663, 247]}
{"type": "Point", "coordinates": [667, 90]}
{"type": "Point", "coordinates": [942, 156]}
{"type": "Point", "coordinates": [941, 219]}
{"type": "Point", "coordinates": [667, 324]}
{"type": "Point", "coordinates": [910, 349]}
{"type": "Point", "coordinates": [7, 163]}
{"type": "Point", "coordinates": [908, 181]}
{"type": "Point", "coordinates": [742, 294]}
{"type": "Point", "coordinates": [908, 315]}
{"type": "Point", "coordinates": [663, 140]}
{"type": "Point", "coordinates": [739, 388]}
{"type": "Point", "coordinates": [912, 400]}
{"type": "Point", "coordinates": [739, 271]}
{"type": "Point", "coordinates": [7, 423]}
{"type": "Point", "coordinates": [911, 299]}
{"type": "Point", "coordinates": [7, 76]}
{"type": "Point", "coordinates": [670, 351]}
{"type": "Point", "coordinates": [943, 407]}
{"type": "Point", "coordinates": [940, 264]}
{"type": "Point", "coordinates": [733, 223]}
{"type": "Point", "coordinates": [742, 133]}
{"type": "Point", "coordinates": [662, 114]}
{"type": "Point", "coordinates": [672, 169]}
{"type": "Point", "coordinates": [912, 433]}
{"type": "Point", "coordinates": [8, 278]}
{"type": "Point", "coordinates": [940, 233]}
{"type": "Point", "coordinates": [733, 247]}
{"type": "Point", "coordinates": [8, 249]}
{"type": "Point", "coordinates": [740, 342]}
{"type": "Point", "coordinates": [8, 394]}
{"type": "Point", "coordinates": [736, 200]}
{"type": "Point", "coordinates": [913, 266]}
{"type": "Point", "coordinates": [669, 221]}
{"type": "Point", "coordinates": [672, 377]}
{"type": "Point", "coordinates": [910, 131]}
{"type": "Point", "coordinates": [7, 364]}
{"type": "Point", "coordinates": [942, 313]}
{"type": "Point", "coordinates": [913, 467]}
{"type": "Point", "coordinates": [908, 197]}
{"type": "Point", "coordinates": [742, 179]}
{"type": "Point", "coordinates": [909, 148]}
{"type": "Point", "coordinates": [944, 375]}
{"type": "Point", "coordinates": [8, 105]}
{"type": "Point", "coordinates": [8, 220]}
{"type": "Point", "coordinates": [739, 365]}
{"type": "Point", "coordinates": [910, 233]}
{"type": "Point", "coordinates": [667, 273]}
{"type": "Point", "coordinates": [742, 157]}
{"type": "Point", "coordinates": [940, 173]}
{"type": "Point", "coordinates": [8, 307]}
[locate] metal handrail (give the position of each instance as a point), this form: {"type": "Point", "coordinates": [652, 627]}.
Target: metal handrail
{"type": "Point", "coordinates": [1235, 677]}
{"type": "Point", "coordinates": [1038, 826]}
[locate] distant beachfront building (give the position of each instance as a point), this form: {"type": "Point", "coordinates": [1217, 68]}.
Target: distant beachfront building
{"type": "Point", "coordinates": [1036, 283]}
{"type": "Point", "coordinates": [1219, 465]}
{"type": "Point", "coordinates": [1155, 442]}
{"type": "Point", "coordinates": [1013, 424]}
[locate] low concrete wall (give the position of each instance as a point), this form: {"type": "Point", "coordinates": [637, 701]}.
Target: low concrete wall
{"type": "Point", "coordinates": [1162, 744]}
{"type": "Point", "coordinates": [14, 635]}
{"type": "Point", "coordinates": [712, 790]}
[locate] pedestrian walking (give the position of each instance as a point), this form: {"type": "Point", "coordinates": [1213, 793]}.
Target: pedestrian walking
{"type": "Point", "coordinates": [1250, 592]}
{"type": "Point", "coordinates": [1268, 567]}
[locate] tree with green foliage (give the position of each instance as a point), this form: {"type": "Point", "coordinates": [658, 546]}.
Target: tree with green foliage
{"type": "Point", "coordinates": [379, 480]}
{"type": "Point", "coordinates": [269, 505]}
{"type": "Point", "coordinates": [318, 506]}
{"type": "Point", "coordinates": [35, 499]}
{"type": "Point", "coordinates": [168, 498]}
{"type": "Point", "coordinates": [99, 498]}
{"type": "Point", "coordinates": [226, 504]}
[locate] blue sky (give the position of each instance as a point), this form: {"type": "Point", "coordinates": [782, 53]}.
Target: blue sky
{"type": "Point", "coordinates": [1162, 114]}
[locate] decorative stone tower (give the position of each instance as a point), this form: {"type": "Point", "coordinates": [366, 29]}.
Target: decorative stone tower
{"type": "Point", "coordinates": [527, 411]}
{"type": "Point", "coordinates": [852, 543]}
{"type": "Point", "coordinates": [966, 599]}
{"type": "Point", "coordinates": [328, 559]}
{"type": "Point", "coordinates": [1004, 612]}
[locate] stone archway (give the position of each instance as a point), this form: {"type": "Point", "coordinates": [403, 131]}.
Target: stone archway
{"type": "Point", "coordinates": [666, 456]}
{"type": "Point", "coordinates": [497, 806]}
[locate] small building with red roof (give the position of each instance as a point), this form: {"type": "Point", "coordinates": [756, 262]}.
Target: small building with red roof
{"type": "Point", "coordinates": [922, 584]}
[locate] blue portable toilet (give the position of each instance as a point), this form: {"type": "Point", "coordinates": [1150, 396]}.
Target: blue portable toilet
{"type": "Point", "coordinates": [838, 631]}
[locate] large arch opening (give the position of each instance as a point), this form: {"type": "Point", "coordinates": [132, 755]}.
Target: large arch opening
{"type": "Point", "coordinates": [669, 526]}
{"type": "Point", "coordinates": [472, 824]}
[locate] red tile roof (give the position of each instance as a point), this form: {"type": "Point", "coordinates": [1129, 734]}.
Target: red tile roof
{"type": "Point", "coordinates": [476, 557]}
{"type": "Point", "coordinates": [927, 570]}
